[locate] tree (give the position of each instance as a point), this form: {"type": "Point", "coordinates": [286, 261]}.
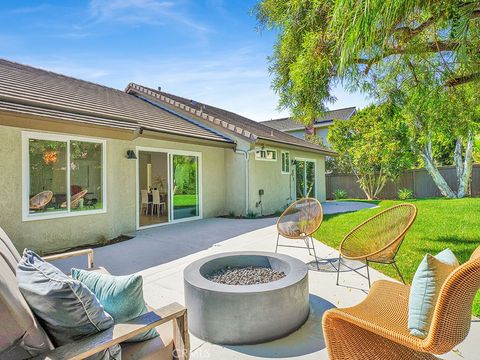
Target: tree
{"type": "Point", "coordinates": [476, 150]}
{"type": "Point", "coordinates": [418, 51]}
{"type": "Point", "coordinates": [375, 146]}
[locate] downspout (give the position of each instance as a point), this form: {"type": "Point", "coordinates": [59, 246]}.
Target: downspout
{"type": "Point", "coordinates": [246, 155]}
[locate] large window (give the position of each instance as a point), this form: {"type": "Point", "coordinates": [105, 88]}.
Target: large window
{"type": "Point", "coordinates": [62, 176]}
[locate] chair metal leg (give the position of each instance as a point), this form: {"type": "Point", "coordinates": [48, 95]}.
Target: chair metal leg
{"type": "Point", "coordinates": [398, 271]}
{"type": "Point", "coordinates": [338, 268]}
{"type": "Point", "coordinates": [307, 244]}
{"type": "Point", "coordinates": [314, 252]}
{"type": "Point", "coordinates": [368, 274]}
{"type": "Point", "coordinates": [276, 246]}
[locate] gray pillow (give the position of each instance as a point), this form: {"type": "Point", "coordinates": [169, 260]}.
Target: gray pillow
{"type": "Point", "coordinates": [67, 309]}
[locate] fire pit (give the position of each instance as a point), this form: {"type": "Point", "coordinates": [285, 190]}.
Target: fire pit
{"type": "Point", "coordinates": [246, 297]}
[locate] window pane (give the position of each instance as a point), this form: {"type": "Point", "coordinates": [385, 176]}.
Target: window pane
{"type": "Point", "coordinates": [310, 182]}
{"type": "Point", "coordinates": [48, 176]}
{"type": "Point", "coordinates": [185, 186]}
{"type": "Point", "coordinates": [300, 179]}
{"type": "Point", "coordinates": [86, 186]}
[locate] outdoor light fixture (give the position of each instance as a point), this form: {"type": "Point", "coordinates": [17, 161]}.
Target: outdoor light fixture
{"type": "Point", "coordinates": [131, 154]}
{"type": "Point", "coordinates": [294, 162]}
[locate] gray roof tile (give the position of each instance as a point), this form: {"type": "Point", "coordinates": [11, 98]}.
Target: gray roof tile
{"type": "Point", "coordinates": [29, 90]}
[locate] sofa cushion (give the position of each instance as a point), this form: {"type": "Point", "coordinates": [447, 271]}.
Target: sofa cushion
{"type": "Point", "coordinates": [8, 252]}
{"type": "Point", "coordinates": [21, 336]}
{"type": "Point", "coordinates": [68, 310]}
{"type": "Point", "coordinates": [426, 285]}
{"type": "Point", "coordinates": [121, 296]}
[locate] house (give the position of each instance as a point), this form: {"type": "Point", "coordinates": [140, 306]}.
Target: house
{"type": "Point", "coordinates": [83, 163]}
{"type": "Point", "coordinates": [319, 127]}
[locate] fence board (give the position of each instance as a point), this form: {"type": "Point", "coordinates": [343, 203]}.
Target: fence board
{"type": "Point", "coordinates": [418, 180]}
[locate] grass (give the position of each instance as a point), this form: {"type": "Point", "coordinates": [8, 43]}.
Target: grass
{"type": "Point", "coordinates": [184, 200]}
{"type": "Point", "coordinates": [441, 223]}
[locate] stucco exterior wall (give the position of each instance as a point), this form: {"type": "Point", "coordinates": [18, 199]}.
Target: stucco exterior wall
{"type": "Point", "coordinates": [120, 218]}
{"type": "Point", "coordinates": [280, 188]}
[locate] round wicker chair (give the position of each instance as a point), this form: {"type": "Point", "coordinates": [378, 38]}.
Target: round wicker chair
{"type": "Point", "coordinates": [75, 199]}
{"type": "Point", "coordinates": [299, 221]}
{"type": "Point", "coordinates": [378, 238]}
{"type": "Point", "coordinates": [39, 201]}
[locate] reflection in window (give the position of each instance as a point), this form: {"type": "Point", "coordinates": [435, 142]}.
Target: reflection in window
{"type": "Point", "coordinates": [50, 189]}
{"type": "Point", "coordinates": [48, 175]}
{"type": "Point", "coordinates": [85, 175]}
{"type": "Point", "coordinates": [285, 162]}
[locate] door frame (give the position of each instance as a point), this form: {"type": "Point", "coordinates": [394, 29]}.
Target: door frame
{"type": "Point", "coordinates": [315, 173]}
{"type": "Point", "coordinates": [169, 153]}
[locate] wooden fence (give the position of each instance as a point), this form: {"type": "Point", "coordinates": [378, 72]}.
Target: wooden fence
{"type": "Point", "coordinates": [418, 180]}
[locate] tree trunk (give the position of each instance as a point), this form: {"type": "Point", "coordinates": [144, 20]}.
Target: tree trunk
{"type": "Point", "coordinates": [465, 174]}
{"type": "Point", "coordinates": [437, 178]}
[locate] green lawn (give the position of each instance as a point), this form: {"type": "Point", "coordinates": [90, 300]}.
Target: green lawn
{"type": "Point", "coordinates": [184, 200]}
{"type": "Point", "coordinates": [440, 224]}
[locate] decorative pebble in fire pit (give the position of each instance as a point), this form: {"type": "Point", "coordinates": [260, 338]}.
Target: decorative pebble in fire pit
{"type": "Point", "coordinates": [246, 297]}
{"type": "Point", "coordinates": [249, 275]}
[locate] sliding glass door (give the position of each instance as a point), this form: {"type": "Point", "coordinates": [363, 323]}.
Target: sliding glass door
{"type": "Point", "coordinates": [185, 185]}
{"type": "Point", "coordinates": [305, 178]}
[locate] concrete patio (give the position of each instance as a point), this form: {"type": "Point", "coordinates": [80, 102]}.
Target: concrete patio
{"type": "Point", "coordinates": [160, 255]}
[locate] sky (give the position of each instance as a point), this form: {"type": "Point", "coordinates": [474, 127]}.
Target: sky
{"type": "Point", "coordinates": [206, 50]}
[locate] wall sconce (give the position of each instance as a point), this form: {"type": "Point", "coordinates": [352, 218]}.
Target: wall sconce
{"type": "Point", "coordinates": [131, 154]}
{"type": "Point", "coordinates": [294, 162]}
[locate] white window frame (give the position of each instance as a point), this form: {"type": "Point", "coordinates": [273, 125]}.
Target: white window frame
{"type": "Point", "coordinates": [265, 159]}
{"type": "Point", "coordinates": [26, 215]}
{"type": "Point", "coordinates": [288, 162]}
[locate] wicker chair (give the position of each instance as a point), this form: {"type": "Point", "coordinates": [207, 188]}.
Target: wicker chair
{"type": "Point", "coordinates": [299, 221]}
{"type": "Point", "coordinates": [377, 327]}
{"type": "Point", "coordinates": [39, 201]}
{"type": "Point", "coordinates": [75, 199]}
{"type": "Point", "coordinates": [378, 238]}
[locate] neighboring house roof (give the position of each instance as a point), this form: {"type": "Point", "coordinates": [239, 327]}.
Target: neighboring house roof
{"type": "Point", "coordinates": [230, 122]}
{"type": "Point", "coordinates": [28, 90]}
{"type": "Point", "coordinates": [288, 124]}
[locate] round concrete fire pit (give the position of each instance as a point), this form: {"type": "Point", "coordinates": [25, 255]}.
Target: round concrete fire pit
{"type": "Point", "coordinates": [246, 314]}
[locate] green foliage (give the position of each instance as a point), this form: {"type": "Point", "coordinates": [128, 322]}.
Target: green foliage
{"type": "Point", "coordinates": [405, 194]}
{"type": "Point", "coordinates": [374, 143]}
{"type": "Point", "coordinates": [185, 174]}
{"type": "Point", "coordinates": [453, 226]}
{"type": "Point", "coordinates": [476, 150]}
{"type": "Point", "coordinates": [251, 214]}
{"type": "Point", "coordinates": [323, 42]}
{"type": "Point", "coordinates": [339, 194]}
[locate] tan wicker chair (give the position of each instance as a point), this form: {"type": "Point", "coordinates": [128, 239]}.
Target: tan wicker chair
{"type": "Point", "coordinates": [75, 199]}
{"type": "Point", "coordinates": [377, 327]}
{"type": "Point", "coordinates": [378, 238]}
{"type": "Point", "coordinates": [299, 221]}
{"type": "Point", "coordinates": [39, 201]}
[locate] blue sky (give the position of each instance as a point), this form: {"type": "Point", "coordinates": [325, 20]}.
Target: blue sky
{"type": "Point", "coordinates": [206, 50]}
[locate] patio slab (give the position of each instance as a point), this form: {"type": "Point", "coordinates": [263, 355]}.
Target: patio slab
{"type": "Point", "coordinates": [163, 281]}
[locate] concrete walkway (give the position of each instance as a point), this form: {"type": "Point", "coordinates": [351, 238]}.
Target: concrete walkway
{"type": "Point", "coordinates": [161, 254]}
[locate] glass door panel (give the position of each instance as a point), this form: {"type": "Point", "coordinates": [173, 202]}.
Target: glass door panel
{"type": "Point", "coordinates": [184, 186]}
{"type": "Point", "coordinates": [310, 179]}
{"type": "Point", "coordinates": [300, 179]}
{"type": "Point", "coordinates": [304, 179]}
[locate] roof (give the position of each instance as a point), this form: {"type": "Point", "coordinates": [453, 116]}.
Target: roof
{"type": "Point", "coordinates": [28, 90]}
{"type": "Point", "coordinates": [229, 121]}
{"type": "Point", "coordinates": [289, 124]}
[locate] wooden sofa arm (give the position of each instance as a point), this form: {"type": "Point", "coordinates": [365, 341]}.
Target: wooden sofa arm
{"type": "Point", "coordinates": [88, 252]}
{"type": "Point", "coordinates": [118, 333]}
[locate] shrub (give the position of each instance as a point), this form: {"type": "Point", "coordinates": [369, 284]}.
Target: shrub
{"type": "Point", "coordinates": [251, 215]}
{"type": "Point", "coordinates": [405, 194]}
{"type": "Point", "coordinates": [339, 194]}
